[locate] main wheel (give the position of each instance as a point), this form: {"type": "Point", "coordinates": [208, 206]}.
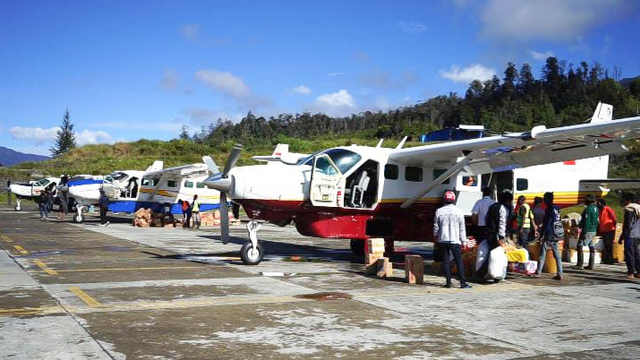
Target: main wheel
{"type": "Point", "coordinates": [357, 247]}
{"type": "Point", "coordinates": [251, 256]}
{"type": "Point", "coordinates": [77, 218]}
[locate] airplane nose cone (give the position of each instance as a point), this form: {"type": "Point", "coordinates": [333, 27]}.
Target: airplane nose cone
{"type": "Point", "coordinates": [218, 183]}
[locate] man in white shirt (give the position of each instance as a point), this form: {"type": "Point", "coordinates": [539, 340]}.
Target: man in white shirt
{"type": "Point", "coordinates": [479, 214]}
{"type": "Point", "coordinates": [449, 230]}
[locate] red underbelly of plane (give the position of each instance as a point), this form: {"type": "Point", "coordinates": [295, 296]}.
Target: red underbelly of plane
{"type": "Point", "coordinates": [413, 224]}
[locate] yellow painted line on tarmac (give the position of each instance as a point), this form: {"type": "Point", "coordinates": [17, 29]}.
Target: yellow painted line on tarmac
{"type": "Point", "coordinates": [128, 269]}
{"type": "Point", "coordinates": [44, 267]}
{"type": "Point", "coordinates": [32, 311]}
{"type": "Point", "coordinates": [91, 302]}
{"type": "Point", "coordinates": [21, 250]}
{"type": "Point", "coordinates": [6, 238]}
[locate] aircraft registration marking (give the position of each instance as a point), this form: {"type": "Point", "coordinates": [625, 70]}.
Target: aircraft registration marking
{"type": "Point", "coordinates": [91, 302]}
{"type": "Point", "coordinates": [21, 250]}
{"type": "Point", "coordinates": [44, 267]}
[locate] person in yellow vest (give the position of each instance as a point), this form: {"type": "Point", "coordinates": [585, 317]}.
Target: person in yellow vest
{"type": "Point", "coordinates": [525, 221]}
{"type": "Point", "coordinates": [195, 211]}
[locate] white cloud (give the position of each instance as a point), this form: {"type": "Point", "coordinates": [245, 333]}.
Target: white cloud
{"type": "Point", "coordinates": [92, 137]}
{"type": "Point", "coordinates": [334, 74]}
{"type": "Point", "coordinates": [39, 136]}
{"type": "Point", "coordinates": [169, 80]}
{"type": "Point", "coordinates": [541, 55]}
{"type": "Point", "coordinates": [412, 27]}
{"type": "Point", "coordinates": [300, 90]}
{"type": "Point", "coordinates": [190, 32]}
{"type": "Point", "coordinates": [468, 74]}
{"type": "Point", "coordinates": [339, 103]}
{"type": "Point", "coordinates": [36, 136]}
{"type": "Point", "coordinates": [551, 20]}
{"type": "Point", "coordinates": [232, 87]}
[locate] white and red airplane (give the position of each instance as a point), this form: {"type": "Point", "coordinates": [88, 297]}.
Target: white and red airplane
{"type": "Point", "coordinates": [359, 192]}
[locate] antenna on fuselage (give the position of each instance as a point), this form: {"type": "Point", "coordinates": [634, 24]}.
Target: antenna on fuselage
{"type": "Point", "coordinates": [379, 144]}
{"type": "Point", "coordinates": [404, 139]}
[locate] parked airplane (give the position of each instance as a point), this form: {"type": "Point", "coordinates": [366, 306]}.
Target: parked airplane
{"type": "Point", "coordinates": [156, 188]}
{"type": "Point", "coordinates": [32, 189]}
{"type": "Point", "coordinates": [358, 192]}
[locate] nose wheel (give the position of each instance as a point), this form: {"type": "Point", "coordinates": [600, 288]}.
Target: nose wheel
{"type": "Point", "coordinates": [78, 218]}
{"type": "Point", "coordinates": [251, 252]}
{"type": "Point", "coordinates": [18, 205]}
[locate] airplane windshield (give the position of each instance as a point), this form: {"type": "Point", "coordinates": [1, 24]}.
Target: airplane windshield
{"type": "Point", "coordinates": [344, 159]}
{"type": "Point", "coordinates": [43, 182]}
{"type": "Point", "coordinates": [108, 179]}
{"type": "Point", "coordinates": [119, 176]}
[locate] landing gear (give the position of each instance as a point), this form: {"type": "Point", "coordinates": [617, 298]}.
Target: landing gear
{"type": "Point", "coordinates": [18, 205]}
{"type": "Point", "coordinates": [78, 218]}
{"type": "Point", "coordinates": [251, 252]}
{"type": "Point", "coordinates": [357, 247]}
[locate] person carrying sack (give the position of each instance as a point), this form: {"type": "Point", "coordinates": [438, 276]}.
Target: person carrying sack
{"type": "Point", "coordinates": [607, 230]}
{"type": "Point", "coordinates": [589, 226]}
{"type": "Point", "coordinates": [552, 231]}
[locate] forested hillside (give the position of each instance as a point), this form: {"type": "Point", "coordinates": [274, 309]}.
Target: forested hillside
{"type": "Point", "coordinates": [562, 94]}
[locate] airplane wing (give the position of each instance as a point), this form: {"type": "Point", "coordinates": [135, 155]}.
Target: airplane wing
{"type": "Point", "coordinates": [506, 152]}
{"type": "Point", "coordinates": [178, 170]}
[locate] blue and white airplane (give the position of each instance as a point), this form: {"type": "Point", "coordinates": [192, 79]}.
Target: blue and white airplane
{"type": "Point", "coordinates": [156, 188]}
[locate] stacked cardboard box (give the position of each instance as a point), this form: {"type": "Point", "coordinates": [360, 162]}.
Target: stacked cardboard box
{"type": "Point", "coordinates": [213, 219]}
{"type": "Point", "coordinates": [375, 252]}
{"type": "Point", "coordinates": [143, 218]}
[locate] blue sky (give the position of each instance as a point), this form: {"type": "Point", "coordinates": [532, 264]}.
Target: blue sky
{"type": "Point", "coordinates": [142, 69]}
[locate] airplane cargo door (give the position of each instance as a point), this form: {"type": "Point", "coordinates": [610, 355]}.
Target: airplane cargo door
{"type": "Point", "coordinates": [325, 178]}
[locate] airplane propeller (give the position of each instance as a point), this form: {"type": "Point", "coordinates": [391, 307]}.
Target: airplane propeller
{"type": "Point", "coordinates": [221, 182]}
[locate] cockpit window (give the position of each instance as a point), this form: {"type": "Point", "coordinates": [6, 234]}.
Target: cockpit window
{"type": "Point", "coordinates": [344, 159]}
{"type": "Point", "coordinates": [43, 182]}
{"type": "Point", "coordinates": [119, 176]}
{"type": "Point", "coordinates": [108, 179]}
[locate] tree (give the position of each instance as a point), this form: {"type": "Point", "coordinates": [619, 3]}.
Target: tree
{"type": "Point", "coordinates": [184, 133]}
{"type": "Point", "coordinates": [65, 137]}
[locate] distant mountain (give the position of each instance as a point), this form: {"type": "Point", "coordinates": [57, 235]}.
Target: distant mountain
{"type": "Point", "coordinates": [627, 81]}
{"type": "Point", "coordinates": [10, 157]}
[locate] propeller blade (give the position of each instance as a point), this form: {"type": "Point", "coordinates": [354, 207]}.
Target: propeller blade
{"type": "Point", "coordinates": [213, 168]}
{"type": "Point", "coordinates": [233, 158]}
{"type": "Point", "coordinates": [224, 218]}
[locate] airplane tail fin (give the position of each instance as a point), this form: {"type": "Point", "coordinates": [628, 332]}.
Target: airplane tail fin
{"type": "Point", "coordinates": [603, 113]}
{"type": "Point", "coordinates": [157, 165]}
{"type": "Point", "coordinates": [281, 149]}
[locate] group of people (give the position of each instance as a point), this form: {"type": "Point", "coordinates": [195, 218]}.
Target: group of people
{"type": "Point", "coordinates": [496, 223]}
{"type": "Point", "coordinates": [190, 210]}
{"type": "Point", "coordinates": [47, 197]}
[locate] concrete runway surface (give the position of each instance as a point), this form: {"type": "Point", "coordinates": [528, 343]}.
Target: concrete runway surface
{"type": "Point", "coordinates": [72, 291]}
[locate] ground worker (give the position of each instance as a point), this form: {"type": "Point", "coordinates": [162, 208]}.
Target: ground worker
{"type": "Point", "coordinates": [104, 206]}
{"type": "Point", "coordinates": [63, 196]}
{"type": "Point", "coordinates": [588, 226]}
{"type": "Point", "coordinates": [550, 233]}
{"type": "Point", "coordinates": [538, 214]}
{"type": "Point", "coordinates": [525, 222]}
{"type": "Point", "coordinates": [607, 230]}
{"type": "Point", "coordinates": [498, 226]}
{"type": "Point", "coordinates": [631, 235]}
{"type": "Point", "coordinates": [449, 230]}
{"type": "Point", "coordinates": [42, 205]}
{"type": "Point", "coordinates": [9, 192]}
{"type": "Point", "coordinates": [195, 211]}
{"type": "Point", "coordinates": [479, 214]}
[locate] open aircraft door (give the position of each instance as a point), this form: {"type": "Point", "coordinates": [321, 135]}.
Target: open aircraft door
{"type": "Point", "coordinates": [325, 182]}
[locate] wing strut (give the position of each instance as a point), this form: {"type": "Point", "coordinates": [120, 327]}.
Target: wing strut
{"type": "Point", "coordinates": [437, 181]}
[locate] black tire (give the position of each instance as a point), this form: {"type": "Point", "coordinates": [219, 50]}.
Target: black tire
{"type": "Point", "coordinates": [247, 258]}
{"type": "Point", "coordinates": [357, 247]}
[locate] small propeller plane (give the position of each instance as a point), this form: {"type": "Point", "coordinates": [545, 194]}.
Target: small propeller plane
{"type": "Point", "coordinates": [32, 189]}
{"type": "Point", "coordinates": [359, 192]}
{"type": "Point", "coordinates": [156, 188]}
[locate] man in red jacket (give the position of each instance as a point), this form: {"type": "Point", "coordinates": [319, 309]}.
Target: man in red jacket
{"type": "Point", "coordinates": [607, 230]}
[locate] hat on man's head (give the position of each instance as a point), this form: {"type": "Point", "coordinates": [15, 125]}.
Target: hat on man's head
{"type": "Point", "coordinates": [449, 196]}
{"type": "Point", "coordinates": [590, 198]}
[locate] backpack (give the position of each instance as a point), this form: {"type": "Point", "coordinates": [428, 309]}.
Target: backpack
{"type": "Point", "coordinates": [492, 219]}
{"type": "Point", "coordinates": [634, 232]}
{"type": "Point", "coordinates": [558, 227]}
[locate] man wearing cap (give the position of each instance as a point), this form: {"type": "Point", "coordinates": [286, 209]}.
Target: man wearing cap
{"type": "Point", "coordinates": [589, 225]}
{"type": "Point", "coordinates": [449, 230]}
